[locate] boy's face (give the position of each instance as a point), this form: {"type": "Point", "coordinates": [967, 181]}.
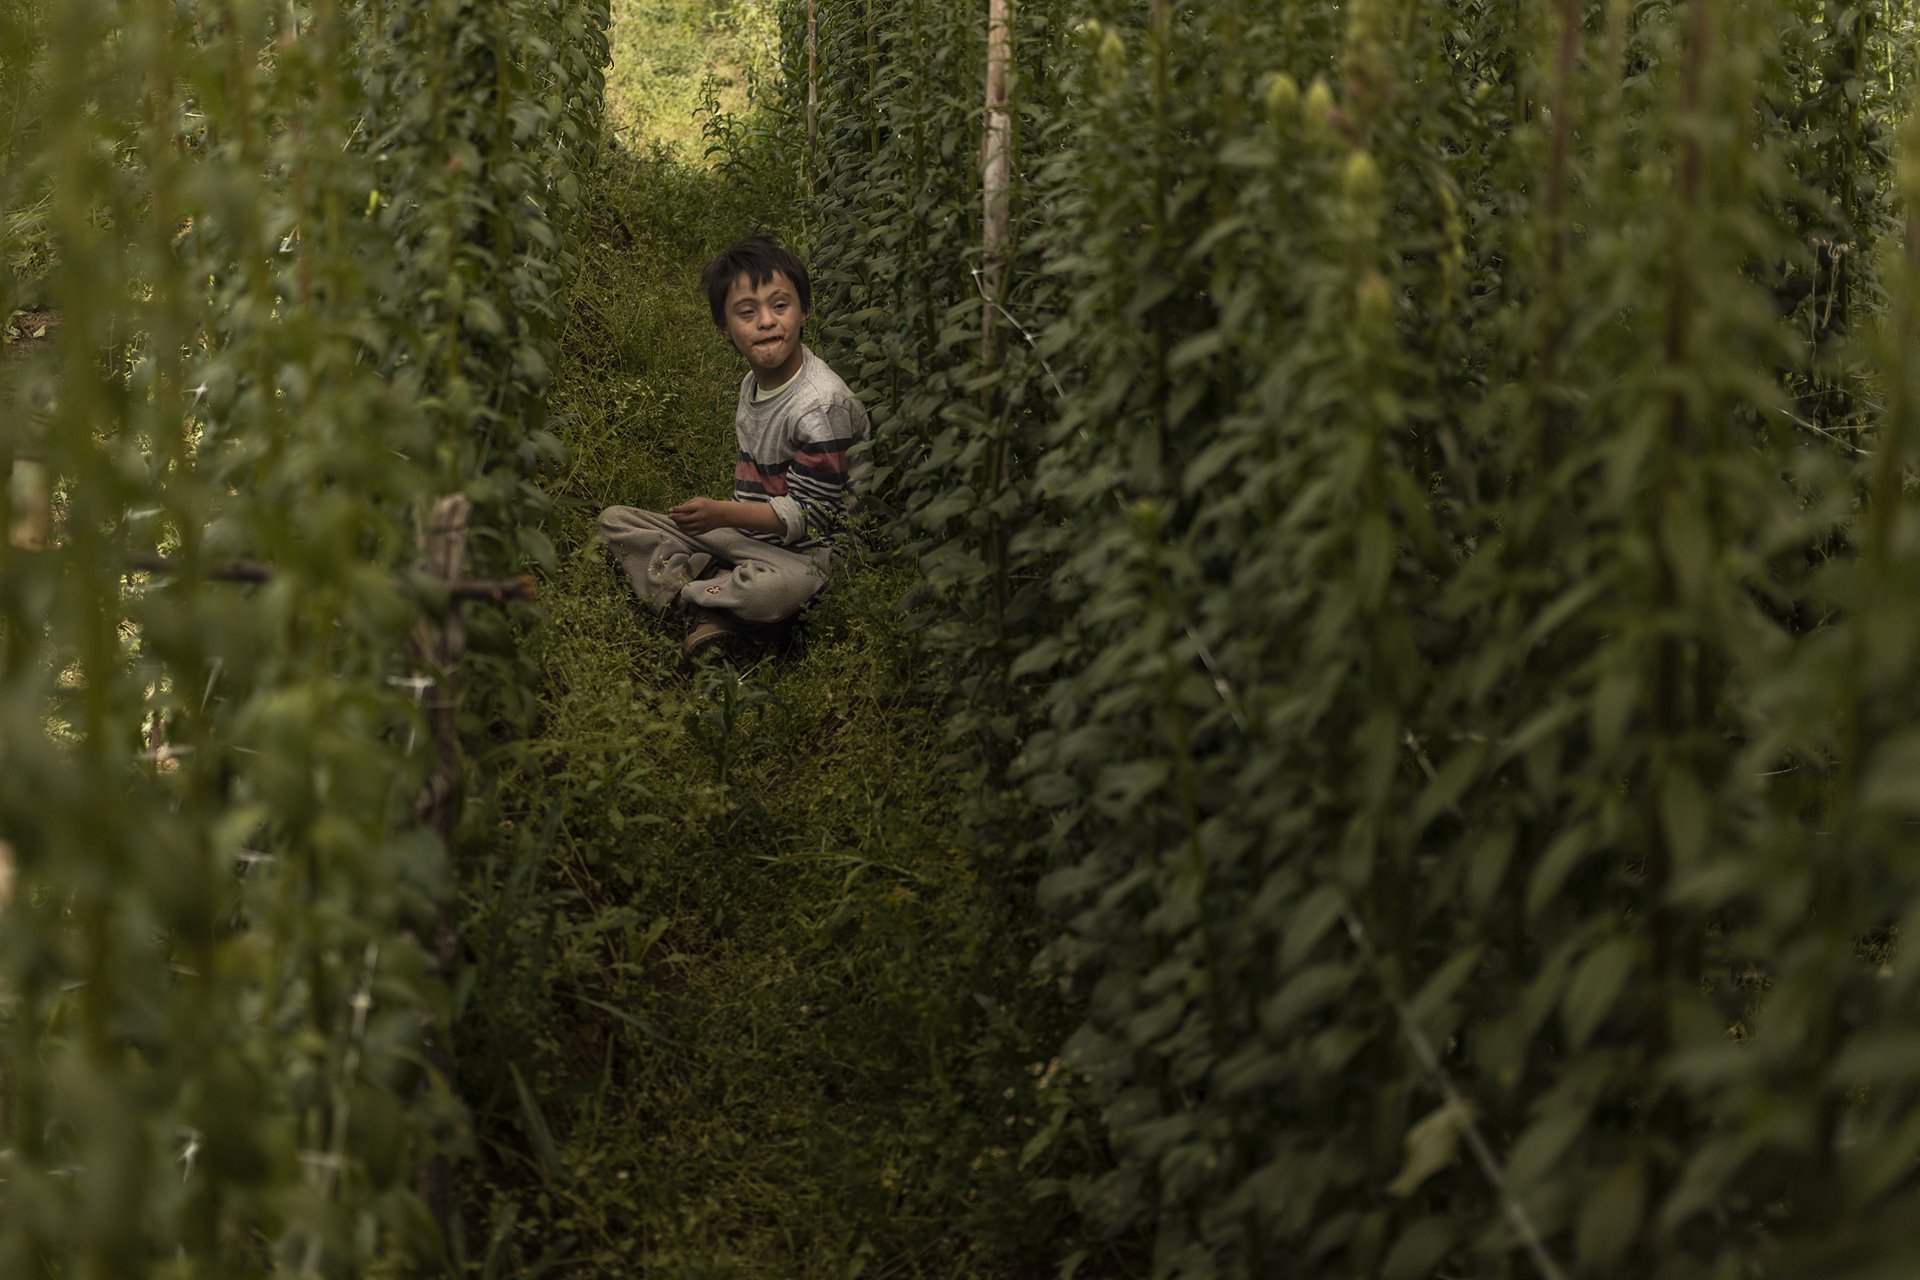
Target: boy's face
{"type": "Point", "coordinates": [764, 326]}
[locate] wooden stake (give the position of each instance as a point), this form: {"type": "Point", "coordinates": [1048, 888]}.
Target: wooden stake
{"type": "Point", "coordinates": [813, 94]}
{"type": "Point", "coordinates": [32, 506]}
{"type": "Point", "coordinates": [997, 177]}
{"type": "Point", "coordinates": [437, 650]}
{"type": "Point", "coordinates": [996, 174]}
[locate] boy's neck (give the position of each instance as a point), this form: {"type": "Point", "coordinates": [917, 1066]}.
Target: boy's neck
{"type": "Point", "coordinates": [764, 387]}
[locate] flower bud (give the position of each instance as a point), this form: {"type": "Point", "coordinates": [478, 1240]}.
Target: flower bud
{"type": "Point", "coordinates": [1361, 181]}
{"type": "Point", "coordinates": [1283, 97]}
{"type": "Point", "coordinates": [1318, 106]}
{"type": "Point", "coordinates": [1374, 301]}
{"type": "Point", "coordinates": [1369, 23]}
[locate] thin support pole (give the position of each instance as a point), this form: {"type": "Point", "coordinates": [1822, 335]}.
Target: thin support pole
{"type": "Point", "coordinates": [813, 95]}
{"type": "Point", "coordinates": [32, 506]}
{"type": "Point", "coordinates": [997, 177]}
{"type": "Point", "coordinates": [996, 173]}
{"type": "Point", "coordinates": [436, 651]}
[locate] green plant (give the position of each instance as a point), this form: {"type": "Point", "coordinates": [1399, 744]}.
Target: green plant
{"type": "Point", "coordinates": [1416, 579]}
{"type": "Point", "coordinates": [303, 290]}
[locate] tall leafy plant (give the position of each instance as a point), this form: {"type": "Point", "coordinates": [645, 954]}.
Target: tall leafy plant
{"type": "Point", "coordinates": [1416, 578]}
{"type": "Point", "coordinates": [212, 971]}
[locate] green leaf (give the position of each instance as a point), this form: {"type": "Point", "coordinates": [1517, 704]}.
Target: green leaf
{"type": "Point", "coordinates": [1488, 856]}
{"type": "Point", "coordinates": [1201, 346]}
{"type": "Point", "coordinates": [1124, 787]}
{"type": "Point", "coordinates": [481, 314]}
{"type": "Point", "coordinates": [1252, 1068]}
{"type": "Point", "coordinates": [1686, 537]}
{"type": "Point", "coordinates": [1038, 660]}
{"type": "Point", "coordinates": [1594, 987]}
{"type": "Point", "coordinates": [1308, 923]}
{"type": "Point", "coordinates": [1547, 1139]}
{"type": "Point", "coordinates": [538, 547]}
{"type": "Point", "coordinates": [1892, 777]}
{"type": "Point", "coordinates": [1373, 559]}
{"type": "Point", "coordinates": [1552, 617]}
{"type": "Point", "coordinates": [1053, 790]}
{"type": "Point", "coordinates": [1445, 982]}
{"type": "Point", "coordinates": [539, 1136]}
{"type": "Point", "coordinates": [1708, 1172]}
{"type": "Point", "coordinates": [1443, 792]}
{"type": "Point", "coordinates": [1432, 1144]}
{"type": "Point", "coordinates": [1309, 989]}
{"type": "Point", "coordinates": [1877, 1057]}
{"type": "Point", "coordinates": [1614, 697]}
{"type": "Point", "coordinates": [1686, 816]}
{"type": "Point", "coordinates": [1555, 865]}
{"type": "Point", "coordinates": [1610, 1217]}
{"type": "Point", "coordinates": [1419, 1249]}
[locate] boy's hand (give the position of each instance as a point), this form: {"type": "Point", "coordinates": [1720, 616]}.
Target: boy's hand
{"type": "Point", "coordinates": [700, 515]}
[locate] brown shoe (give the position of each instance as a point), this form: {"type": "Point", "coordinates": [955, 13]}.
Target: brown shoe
{"type": "Point", "coordinates": [710, 627]}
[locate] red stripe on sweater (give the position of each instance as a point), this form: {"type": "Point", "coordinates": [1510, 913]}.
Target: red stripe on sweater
{"type": "Point", "coordinates": [832, 463]}
{"type": "Point", "coordinates": [774, 482]}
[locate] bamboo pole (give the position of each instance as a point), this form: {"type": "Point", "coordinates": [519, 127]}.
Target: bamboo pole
{"type": "Point", "coordinates": [32, 506]}
{"type": "Point", "coordinates": [997, 178]}
{"type": "Point", "coordinates": [437, 650]}
{"type": "Point", "coordinates": [813, 94]}
{"type": "Point", "coordinates": [996, 184]}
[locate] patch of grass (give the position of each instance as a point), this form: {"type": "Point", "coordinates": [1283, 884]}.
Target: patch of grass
{"type": "Point", "coordinates": [674, 60]}
{"type": "Point", "coordinates": [740, 1004]}
{"type": "Point", "coordinates": [29, 253]}
{"type": "Point", "coordinates": [26, 241]}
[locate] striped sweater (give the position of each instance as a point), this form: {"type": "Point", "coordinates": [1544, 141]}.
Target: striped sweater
{"type": "Point", "coordinates": [793, 453]}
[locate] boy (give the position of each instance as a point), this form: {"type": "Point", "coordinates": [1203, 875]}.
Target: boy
{"type": "Point", "coordinates": [744, 566]}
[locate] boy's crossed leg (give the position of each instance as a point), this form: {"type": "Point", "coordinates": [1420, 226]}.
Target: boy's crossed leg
{"type": "Point", "coordinates": [759, 582]}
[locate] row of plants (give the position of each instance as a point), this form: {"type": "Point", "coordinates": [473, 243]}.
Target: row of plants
{"type": "Point", "coordinates": [1425, 577]}
{"type": "Point", "coordinates": [310, 260]}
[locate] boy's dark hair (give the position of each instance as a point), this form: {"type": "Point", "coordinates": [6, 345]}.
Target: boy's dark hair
{"type": "Point", "coordinates": [758, 258]}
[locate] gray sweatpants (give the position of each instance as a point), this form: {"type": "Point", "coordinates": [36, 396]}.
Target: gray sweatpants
{"type": "Point", "coordinates": [763, 582]}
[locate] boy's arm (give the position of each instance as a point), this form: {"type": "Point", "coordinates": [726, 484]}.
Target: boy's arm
{"type": "Point", "coordinates": [704, 515]}
{"type": "Point", "coordinates": [817, 478]}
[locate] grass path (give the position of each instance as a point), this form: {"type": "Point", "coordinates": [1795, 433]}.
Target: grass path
{"type": "Point", "coordinates": [741, 1004]}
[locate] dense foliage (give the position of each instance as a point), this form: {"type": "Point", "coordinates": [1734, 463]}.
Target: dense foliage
{"type": "Point", "coordinates": [1442, 580]}
{"type": "Point", "coordinates": [309, 267]}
